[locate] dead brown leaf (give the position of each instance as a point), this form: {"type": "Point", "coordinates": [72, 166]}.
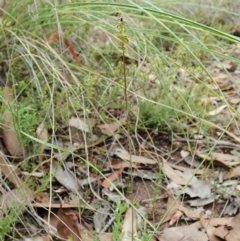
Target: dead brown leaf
{"type": "Point", "coordinates": [217, 111]}
{"type": "Point", "coordinates": [42, 134]}
{"type": "Point", "coordinates": [21, 195]}
{"type": "Point", "coordinates": [136, 159]}
{"type": "Point", "coordinates": [183, 233]}
{"type": "Point", "coordinates": [173, 207]}
{"type": "Point", "coordinates": [218, 233]}
{"type": "Point", "coordinates": [9, 170]}
{"type": "Point", "coordinates": [114, 176]}
{"type": "Point", "coordinates": [121, 164]}
{"type": "Point", "coordinates": [51, 220]}
{"type": "Point", "coordinates": [232, 232]}
{"type": "Point", "coordinates": [177, 210]}
{"type": "Point", "coordinates": [235, 172]}
{"type": "Point", "coordinates": [66, 177]}
{"type": "Point", "coordinates": [234, 101]}
{"type": "Point", "coordinates": [110, 128]}
{"type": "Point", "coordinates": [189, 212]}
{"type": "Point", "coordinates": [16, 197]}
{"type": "Point", "coordinates": [205, 222]}
{"type": "Point", "coordinates": [213, 222]}
{"type": "Point", "coordinates": [80, 123]}
{"type": "Point", "coordinates": [223, 157]}
{"type": "Point", "coordinates": [207, 100]}
{"type": "Point", "coordinates": [42, 197]}
{"type": "Point", "coordinates": [68, 225]}
{"type": "Point", "coordinates": [101, 236]}
{"type": "Point", "coordinates": [173, 176]}
{"type": "Point", "coordinates": [57, 205]}
{"type": "Point", "coordinates": [177, 215]}
{"type": "Point", "coordinates": [129, 228]}
{"type": "Point", "coordinates": [105, 237]}
{"type": "Point", "coordinates": [38, 238]}
{"type": "Point", "coordinates": [220, 159]}
{"type": "Point", "coordinates": [10, 137]}
{"type": "Point", "coordinates": [215, 227]}
{"type": "Point", "coordinates": [196, 171]}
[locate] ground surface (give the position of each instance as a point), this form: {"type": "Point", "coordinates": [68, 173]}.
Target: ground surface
{"type": "Point", "coordinates": [77, 161]}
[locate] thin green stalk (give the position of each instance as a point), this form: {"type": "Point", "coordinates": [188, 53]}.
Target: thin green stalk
{"type": "Point", "coordinates": [124, 39]}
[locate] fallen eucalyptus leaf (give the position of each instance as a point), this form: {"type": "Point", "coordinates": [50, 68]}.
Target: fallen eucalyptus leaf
{"type": "Point", "coordinates": [183, 233]}
{"type": "Point", "coordinates": [110, 128]}
{"type": "Point", "coordinates": [136, 159]}
{"type": "Point", "coordinates": [173, 175]}
{"type": "Point", "coordinates": [66, 177]}
{"type": "Point", "coordinates": [10, 137]}
{"type": "Point", "coordinates": [100, 217]}
{"type": "Point", "coordinates": [129, 228]}
{"type": "Point", "coordinates": [217, 111]}
{"type": "Point", "coordinates": [79, 123]}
